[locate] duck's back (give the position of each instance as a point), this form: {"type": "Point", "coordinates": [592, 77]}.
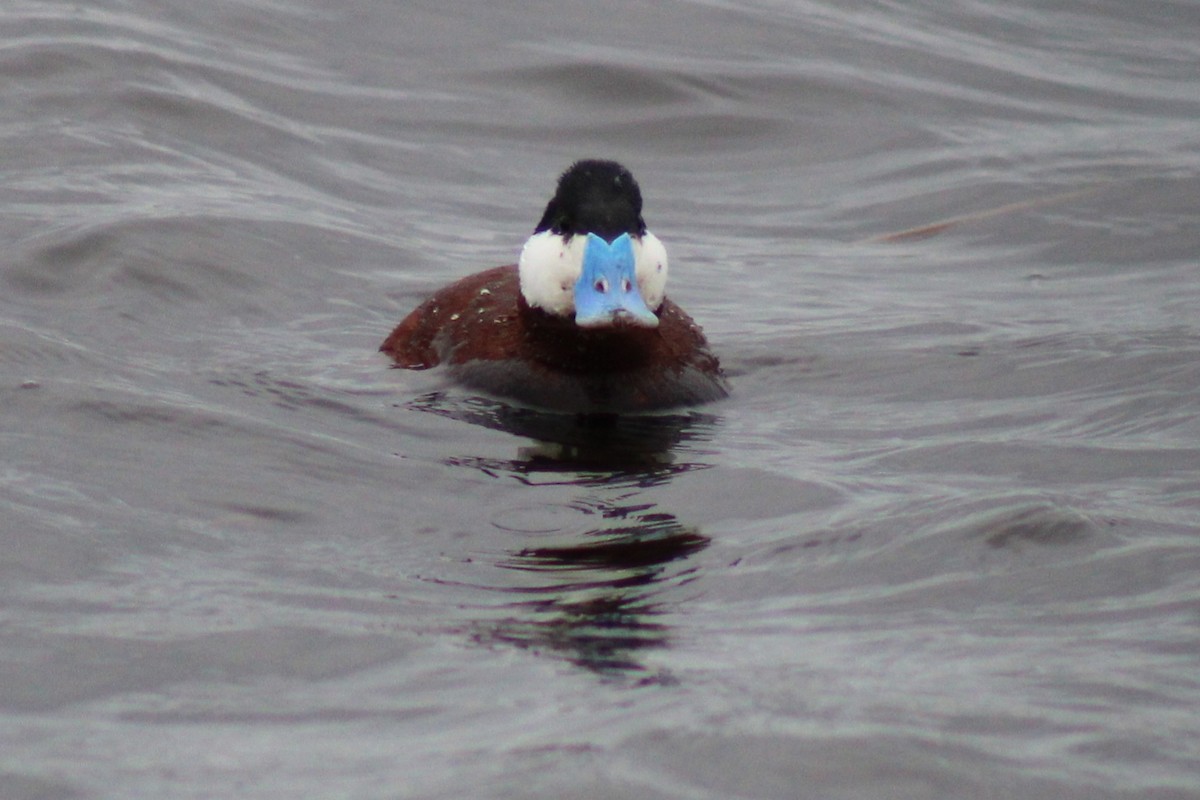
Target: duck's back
{"type": "Point", "coordinates": [482, 330]}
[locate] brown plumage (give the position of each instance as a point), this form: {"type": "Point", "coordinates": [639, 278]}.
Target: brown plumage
{"type": "Point", "coordinates": [482, 329]}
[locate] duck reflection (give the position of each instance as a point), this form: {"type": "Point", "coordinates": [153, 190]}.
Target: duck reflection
{"type": "Point", "coordinates": [595, 606]}
{"type": "Point", "coordinates": [591, 580]}
{"type": "Point", "coordinates": [577, 442]}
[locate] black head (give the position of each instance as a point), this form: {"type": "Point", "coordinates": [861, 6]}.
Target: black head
{"type": "Point", "coordinates": [599, 197]}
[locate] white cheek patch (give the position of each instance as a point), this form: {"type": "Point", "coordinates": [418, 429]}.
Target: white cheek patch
{"type": "Point", "coordinates": [650, 265]}
{"type": "Point", "coordinates": [548, 269]}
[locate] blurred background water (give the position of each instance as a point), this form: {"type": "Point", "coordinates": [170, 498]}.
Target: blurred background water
{"type": "Point", "coordinates": [940, 542]}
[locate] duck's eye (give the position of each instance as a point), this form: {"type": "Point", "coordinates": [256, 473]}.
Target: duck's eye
{"type": "Point", "coordinates": [659, 267]}
{"type": "Point", "coordinates": [626, 285]}
{"type": "Point", "coordinates": [601, 285]}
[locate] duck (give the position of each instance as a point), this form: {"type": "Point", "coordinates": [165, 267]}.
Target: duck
{"type": "Point", "coordinates": [580, 323]}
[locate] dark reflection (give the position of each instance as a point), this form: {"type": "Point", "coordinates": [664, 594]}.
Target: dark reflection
{"type": "Point", "coordinates": [596, 608]}
{"type": "Point", "coordinates": [591, 580]}
{"type": "Point", "coordinates": [574, 442]}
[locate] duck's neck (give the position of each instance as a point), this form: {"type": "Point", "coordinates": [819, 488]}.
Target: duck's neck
{"type": "Point", "coordinates": [558, 342]}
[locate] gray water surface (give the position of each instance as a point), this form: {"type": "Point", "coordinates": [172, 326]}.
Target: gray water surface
{"type": "Point", "coordinates": [941, 542]}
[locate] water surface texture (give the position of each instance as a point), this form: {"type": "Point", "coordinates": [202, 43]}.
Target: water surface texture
{"type": "Point", "coordinates": [943, 541]}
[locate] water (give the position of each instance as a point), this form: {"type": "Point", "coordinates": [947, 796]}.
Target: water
{"type": "Point", "coordinates": [941, 542]}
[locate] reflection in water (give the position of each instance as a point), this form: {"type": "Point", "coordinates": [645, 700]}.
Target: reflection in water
{"type": "Point", "coordinates": [592, 585]}
{"type": "Point", "coordinates": [595, 607]}
{"type": "Point", "coordinates": [577, 442]}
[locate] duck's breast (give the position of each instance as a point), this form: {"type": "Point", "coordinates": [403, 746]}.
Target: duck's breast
{"type": "Point", "coordinates": [492, 341]}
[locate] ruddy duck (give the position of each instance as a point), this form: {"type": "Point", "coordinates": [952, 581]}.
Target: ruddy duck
{"type": "Point", "coordinates": [580, 323]}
